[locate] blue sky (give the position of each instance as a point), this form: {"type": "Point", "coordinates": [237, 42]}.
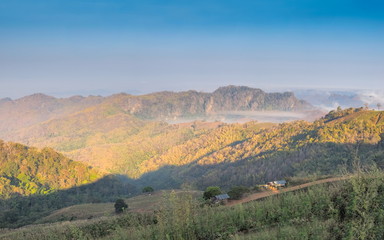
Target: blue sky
{"type": "Point", "coordinates": [86, 47]}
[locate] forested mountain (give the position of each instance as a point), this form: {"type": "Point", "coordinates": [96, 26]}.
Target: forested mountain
{"type": "Point", "coordinates": [38, 108]}
{"type": "Point", "coordinates": [191, 155]}
{"type": "Point", "coordinates": [109, 138]}
{"type": "Point", "coordinates": [34, 182]}
{"type": "Point", "coordinates": [340, 142]}
{"type": "Point", "coordinates": [231, 98]}
{"type": "Point", "coordinates": [25, 171]}
{"type": "Point", "coordinates": [117, 133]}
{"type": "Point", "coordinates": [200, 154]}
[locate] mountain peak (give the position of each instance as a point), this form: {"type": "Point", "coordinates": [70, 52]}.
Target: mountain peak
{"type": "Point", "coordinates": [235, 89]}
{"type": "Point", "coordinates": [36, 97]}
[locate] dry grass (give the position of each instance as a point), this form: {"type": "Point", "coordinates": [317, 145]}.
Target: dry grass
{"type": "Point", "coordinates": [141, 203]}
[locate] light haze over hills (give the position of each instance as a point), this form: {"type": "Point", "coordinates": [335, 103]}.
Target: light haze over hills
{"type": "Point", "coordinates": [81, 47]}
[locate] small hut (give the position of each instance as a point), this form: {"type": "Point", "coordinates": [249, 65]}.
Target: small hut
{"type": "Point", "coordinates": [222, 198]}
{"type": "Point", "coordinates": [280, 183]}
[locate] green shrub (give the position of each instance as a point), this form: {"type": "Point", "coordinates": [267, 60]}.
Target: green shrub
{"type": "Point", "coordinates": [120, 206]}
{"type": "Point", "coordinates": [237, 192]}
{"type": "Point", "coordinates": [211, 192]}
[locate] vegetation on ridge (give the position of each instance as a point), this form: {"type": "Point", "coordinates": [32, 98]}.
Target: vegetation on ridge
{"type": "Point", "coordinates": [331, 145]}
{"type": "Point", "coordinates": [26, 171]}
{"type": "Point", "coordinates": [332, 211]}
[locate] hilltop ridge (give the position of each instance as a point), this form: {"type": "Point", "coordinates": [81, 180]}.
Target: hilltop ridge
{"type": "Point", "coordinates": [37, 108]}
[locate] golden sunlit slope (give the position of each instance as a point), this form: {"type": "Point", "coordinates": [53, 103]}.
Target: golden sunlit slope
{"type": "Point", "coordinates": [204, 145]}
{"type": "Point", "coordinates": [108, 137]}
{"type": "Point", "coordinates": [110, 133]}
{"type": "Point", "coordinates": [26, 171]}
{"type": "Point", "coordinates": [328, 146]}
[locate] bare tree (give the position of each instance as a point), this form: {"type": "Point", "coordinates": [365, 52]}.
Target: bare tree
{"type": "Point", "coordinates": [366, 105]}
{"type": "Point", "coordinates": [378, 106]}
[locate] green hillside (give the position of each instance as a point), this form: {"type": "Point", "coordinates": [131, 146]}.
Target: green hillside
{"type": "Point", "coordinates": [143, 203]}
{"type": "Point", "coordinates": [332, 145]}
{"type": "Point", "coordinates": [200, 154]}
{"type": "Point", "coordinates": [26, 171]}
{"type": "Point", "coordinates": [190, 156]}
{"type": "Point", "coordinates": [340, 210]}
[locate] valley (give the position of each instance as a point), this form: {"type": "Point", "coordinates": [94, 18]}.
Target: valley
{"type": "Point", "coordinates": [71, 163]}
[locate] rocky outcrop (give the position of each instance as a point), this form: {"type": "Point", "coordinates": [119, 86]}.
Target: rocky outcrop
{"type": "Point", "coordinates": [37, 108]}
{"type": "Point", "coordinates": [192, 103]}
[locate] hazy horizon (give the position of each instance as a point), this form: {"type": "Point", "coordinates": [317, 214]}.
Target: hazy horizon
{"type": "Point", "coordinates": [104, 47]}
{"type": "Point", "coordinates": [106, 93]}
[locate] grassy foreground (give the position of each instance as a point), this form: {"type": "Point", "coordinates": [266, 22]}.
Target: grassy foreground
{"type": "Point", "coordinates": [144, 203]}
{"type": "Point", "coordinates": [351, 209]}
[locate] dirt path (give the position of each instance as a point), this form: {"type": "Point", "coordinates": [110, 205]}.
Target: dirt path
{"type": "Point", "coordinates": [260, 195]}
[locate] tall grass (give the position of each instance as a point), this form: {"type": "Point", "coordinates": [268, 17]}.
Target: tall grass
{"type": "Point", "coordinates": [352, 209]}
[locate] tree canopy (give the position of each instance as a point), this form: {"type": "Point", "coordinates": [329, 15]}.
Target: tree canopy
{"type": "Point", "coordinates": [147, 189]}
{"type": "Point", "coordinates": [211, 192]}
{"type": "Point", "coordinates": [120, 205]}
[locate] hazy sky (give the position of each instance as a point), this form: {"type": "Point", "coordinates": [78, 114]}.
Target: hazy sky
{"type": "Point", "coordinates": [67, 47]}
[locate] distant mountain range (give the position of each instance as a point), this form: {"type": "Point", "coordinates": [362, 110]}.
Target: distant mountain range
{"type": "Point", "coordinates": [197, 155]}
{"type": "Point", "coordinates": [118, 132]}
{"type": "Point", "coordinates": [186, 155]}
{"type": "Point", "coordinates": [38, 108]}
{"type": "Point", "coordinates": [125, 134]}
{"type": "Point", "coordinates": [95, 149]}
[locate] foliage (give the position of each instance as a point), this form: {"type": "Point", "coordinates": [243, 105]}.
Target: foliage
{"type": "Point", "coordinates": [336, 211]}
{"type": "Point", "coordinates": [120, 205]}
{"type": "Point", "coordinates": [237, 192]}
{"type": "Point", "coordinates": [114, 133]}
{"type": "Point", "coordinates": [244, 155]}
{"type": "Point", "coordinates": [211, 192]}
{"type": "Point", "coordinates": [26, 171]}
{"type": "Point", "coordinates": [147, 189]}
{"type": "Point", "coordinates": [117, 143]}
{"type": "Point", "coordinates": [22, 210]}
{"type": "Point", "coordinates": [234, 154]}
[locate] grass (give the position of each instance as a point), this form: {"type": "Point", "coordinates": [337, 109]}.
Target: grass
{"type": "Point", "coordinates": [340, 210]}
{"type": "Point", "coordinates": [140, 204]}
{"type": "Point", "coordinates": [316, 230]}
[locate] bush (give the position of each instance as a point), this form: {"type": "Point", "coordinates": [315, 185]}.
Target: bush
{"type": "Point", "coordinates": [120, 205]}
{"type": "Point", "coordinates": [211, 192]}
{"type": "Point", "coordinates": [147, 189]}
{"type": "Point", "coordinates": [237, 192]}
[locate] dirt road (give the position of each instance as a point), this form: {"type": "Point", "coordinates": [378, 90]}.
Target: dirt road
{"type": "Point", "coordinates": [260, 195]}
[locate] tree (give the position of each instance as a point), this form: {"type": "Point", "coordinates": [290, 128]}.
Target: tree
{"type": "Point", "coordinates": [378, 106]}
{"type": "Point", "coordinates": [120, 205]}
{"type": "Point", "coordinates": [237, 192]}
{"type": "Point", "coordinates": [211, 192]}
{"type": "Point", "coordinates": [147, 189]}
